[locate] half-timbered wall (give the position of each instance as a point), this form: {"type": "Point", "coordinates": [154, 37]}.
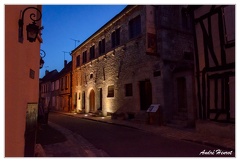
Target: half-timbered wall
{"type": "Point", "coordinates": [215, 62]}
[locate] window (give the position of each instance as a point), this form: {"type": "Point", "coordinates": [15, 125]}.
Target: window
{"type": "Point", "coordinates": [56, 84]}
{"type": "Point", "coordinates": [78, 61]}
{"type": "Point", "coordinates": [52, 86]}
{"type": "Point", "coordinates": [128, 90]}
{"type": "Point", "coordinates": [92, 52]}
{"type": "Point", "coordinates": [66, 82]}
{"type": "Point", "coordinates": [84, 56]}
{"type": "Point", "coordinates": [62, 84]}
{"type": "Point", "coordinates": [75, 99]}
{"type": "Point", "coordinates": [229, 23]}
{"type": "Point", "coordinates": [91, 75]}
{"type": "Point", "coordinates": [101, 47]}
{"type": "Point", "coordinates": [115, 38]}
{"type": "Point", "coordinates": [135, 27]}
{"type": "Point", "coordinates": [118, 37]}
{"type": "Point", "coordinates": [110, 91]}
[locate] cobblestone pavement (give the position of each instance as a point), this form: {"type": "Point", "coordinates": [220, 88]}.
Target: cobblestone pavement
{"type": "Point", "coordinates": [80, 147]}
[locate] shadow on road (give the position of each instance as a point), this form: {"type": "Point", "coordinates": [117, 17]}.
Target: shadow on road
{"type": "Point", "coordinates": [47, 135]}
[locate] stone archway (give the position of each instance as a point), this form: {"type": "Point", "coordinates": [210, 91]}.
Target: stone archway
{"type": "Point", "coordinates": [92, 101]}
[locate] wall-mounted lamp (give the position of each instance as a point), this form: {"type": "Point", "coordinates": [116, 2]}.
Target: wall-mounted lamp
{"type": "Point", "coordinates": [42, 55]}
{"type": "Point", "coordinates": [32, 29]}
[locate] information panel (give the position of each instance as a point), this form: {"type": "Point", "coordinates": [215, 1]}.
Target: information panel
{"type": "Point", "coordinates": [153, 108]}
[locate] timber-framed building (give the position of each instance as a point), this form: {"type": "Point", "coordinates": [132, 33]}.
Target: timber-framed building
{"type": "Point", "coordinates": [215, 68]}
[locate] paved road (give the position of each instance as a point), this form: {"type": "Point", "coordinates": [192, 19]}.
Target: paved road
{"type": "Point", "coordinates": [121, 141]}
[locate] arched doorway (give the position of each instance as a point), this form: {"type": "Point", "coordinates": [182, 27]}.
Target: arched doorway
{"type": "Point", "coordinates": [92, 101]}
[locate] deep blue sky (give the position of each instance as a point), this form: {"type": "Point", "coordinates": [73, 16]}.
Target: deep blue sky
{"type": "Point", "coordinates": [65, 23]}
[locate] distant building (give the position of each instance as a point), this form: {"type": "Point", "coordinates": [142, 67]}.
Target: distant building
{"type": "Point", "coordinates": [64, 99]}
{"type": "Point", "coordinates": [143, 56]}
{"type": "Point", "coordinates": [49, 89]}
{"type": "Point", "coordinates": [56, 89]}
{"type": "Point", "coordinates": [215, 68]}
{"type": "Point", "coordinates": [22, 63]}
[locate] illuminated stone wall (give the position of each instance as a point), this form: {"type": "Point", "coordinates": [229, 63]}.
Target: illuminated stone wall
{"type": "Point", "coordinates": [124, 64]}
{"type": "Point", "coordinates": [137, 61]}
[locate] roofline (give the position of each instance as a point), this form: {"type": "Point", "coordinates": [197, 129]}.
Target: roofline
{"type": "Point", "coordinates": [128, 7]}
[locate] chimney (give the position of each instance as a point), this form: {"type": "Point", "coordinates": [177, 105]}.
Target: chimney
{"type": "Point", "coordinates": [46, 72]}
{"type": "Point", "coordinates": [65, 63]}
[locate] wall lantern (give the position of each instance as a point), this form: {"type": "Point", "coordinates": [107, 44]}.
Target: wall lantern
{"type": "Point", "coordinates": [42, 54]}
{"type": "Point", "coordinates": [32, 29]}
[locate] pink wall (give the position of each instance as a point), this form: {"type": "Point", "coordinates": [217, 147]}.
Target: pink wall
{"type": "Point", "coordinates": [20, 89]}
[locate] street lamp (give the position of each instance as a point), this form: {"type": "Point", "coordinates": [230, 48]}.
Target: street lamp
{"type": "Point", "coordinates": [32, 29]}
{"type": "Point", "coordinates": [42, 55]}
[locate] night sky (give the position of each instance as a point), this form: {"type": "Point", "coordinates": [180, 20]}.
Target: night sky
{"type": "Point", "coordinates": [68, 25]}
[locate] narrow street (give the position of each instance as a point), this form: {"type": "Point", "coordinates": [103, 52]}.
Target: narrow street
{"type": "Point", "coordinates": [121, 141]}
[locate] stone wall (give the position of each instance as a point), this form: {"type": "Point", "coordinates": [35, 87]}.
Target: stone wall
{"type": "Point", "coordinates": [130, 62]}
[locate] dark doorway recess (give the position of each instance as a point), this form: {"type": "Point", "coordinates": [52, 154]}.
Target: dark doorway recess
{"type": "Point", "coordinates": [145, 88]}
{"type": "Point", "coordinates": [83, 100]}
{"type": "Point", "coordinates": [100, 99]}
{"type": "Point", "coordinates": [182, 94]}
{"type": "Point", "coordinates": [92, 101]}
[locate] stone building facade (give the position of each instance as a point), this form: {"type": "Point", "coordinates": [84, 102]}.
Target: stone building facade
{"type": "Point", "coordinates": [175, 49]}
{"type": "Point", "coordinates": [135, 60]}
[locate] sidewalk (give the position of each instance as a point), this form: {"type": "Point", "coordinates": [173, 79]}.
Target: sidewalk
{"type": "Point", "coordinates": [174, 133]}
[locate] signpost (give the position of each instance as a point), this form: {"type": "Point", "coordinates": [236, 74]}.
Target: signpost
{"type": "Point", "coordinates": [154, 114]}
